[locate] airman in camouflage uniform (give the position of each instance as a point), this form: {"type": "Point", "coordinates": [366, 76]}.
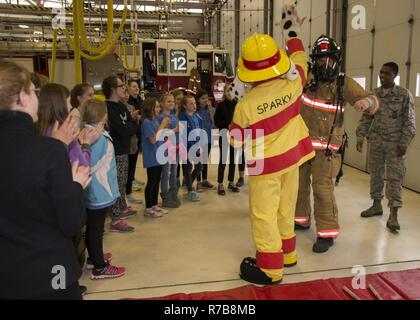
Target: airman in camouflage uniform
{"type": "Point", "coordinates": [390, 132]}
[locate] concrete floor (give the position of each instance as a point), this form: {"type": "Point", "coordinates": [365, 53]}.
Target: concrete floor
{"type": "Point", "coordinates": [199, 246]}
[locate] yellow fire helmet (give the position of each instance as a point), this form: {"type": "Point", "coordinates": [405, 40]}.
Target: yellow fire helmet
{"type": "Point", "coordinates": [262, 59]}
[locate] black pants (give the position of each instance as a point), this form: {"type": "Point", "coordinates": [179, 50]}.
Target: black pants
{"type": "Point", "coordinates": [223, 160]}
{"type": "Point", "coordinates": [132, 163]}
{"type": "Point", "coordinates": [71, 293]}
{"type": "Point", "coordinates": [189, 174]}
{"type": "Point", "coordinates": [205, 167]}
{"type": "Point", "coordinates": [94, 232]}
{"type": "Point", "coordinates": [151, 192]}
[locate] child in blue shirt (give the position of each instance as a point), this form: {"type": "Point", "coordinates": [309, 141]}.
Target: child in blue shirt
{"type": "Point", "coordinates": [102, 192]}
{"type": "Point", "coordinates": [151, 131]}
{"type": "Point", "coordinates": [169, 185]}
{"type": "Point", "coordinates": [192, 121]}
{"type": "Point", "coordinates": [204, 112]}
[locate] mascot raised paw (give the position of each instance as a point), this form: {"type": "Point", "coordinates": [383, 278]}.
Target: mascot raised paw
{"type": "Point", "coordinates": [291, 23]}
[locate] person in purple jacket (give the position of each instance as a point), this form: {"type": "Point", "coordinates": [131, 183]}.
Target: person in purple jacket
{"type": "Point", "coordinates": [54, 106]}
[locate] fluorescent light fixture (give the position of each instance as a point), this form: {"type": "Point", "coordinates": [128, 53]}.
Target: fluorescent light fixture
{"type": "Point", "coordinates": [23, 26]}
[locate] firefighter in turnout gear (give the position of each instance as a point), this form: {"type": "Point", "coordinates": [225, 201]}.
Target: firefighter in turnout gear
{"type": "Point", "coordinates": [269, 112]}
{"type": "Point", "coordinates": [390, 132]}
{"type": "Point", "coordinates": [323, 108]}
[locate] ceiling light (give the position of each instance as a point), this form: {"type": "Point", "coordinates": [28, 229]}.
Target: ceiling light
{"type": "Point", "coordinates": [97, 29]}
{"type": "Point", "coordinates": [23, 26]}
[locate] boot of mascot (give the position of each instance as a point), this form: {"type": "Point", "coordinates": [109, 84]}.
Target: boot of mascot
{"type": "Point", "coordinates": [266, 122]}
{"type": "Point", "coordinates": [322, 107]}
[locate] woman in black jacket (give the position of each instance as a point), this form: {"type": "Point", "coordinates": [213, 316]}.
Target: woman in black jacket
{"type": "Point", "coordinates": [42, 199]}
{"type": "Point", "coordinates": [222, 119]}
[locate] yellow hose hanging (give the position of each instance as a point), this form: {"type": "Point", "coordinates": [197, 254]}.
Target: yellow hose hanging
{"type": "Point", "coordinates": [54, 56]}
{"type": "Point", "coordinates": [122, 46]}
{"type": "Point", "coordinates": [110, 27]}
{"type": "Point", "coordinates": [76, 47]}
{"type": "Point", "coordinates": [106, 50]}
{"type": "Point", "coordinates": [123, 55]}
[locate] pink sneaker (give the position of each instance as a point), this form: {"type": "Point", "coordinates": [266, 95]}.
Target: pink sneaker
{"type": "Point", "coordinates": [107, 258]}
{"type": "Point", "coordinates": [108, 272]}
{"type": "Point", "coordinates": [121, 226]}
{"type": "Point", "coordinates": [152, 213]}
{"type": "Point", "coordinates": [160, 209]}
{"type": "Point", "coordinates": [128, 213]}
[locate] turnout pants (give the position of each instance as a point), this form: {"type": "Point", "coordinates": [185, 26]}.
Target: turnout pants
{"type": "Point", "coordinates": [380, 154]}
{"type": "Point", "coordinates": [323, 170]}
{"type": "Point", "coordinates": [272, 204]}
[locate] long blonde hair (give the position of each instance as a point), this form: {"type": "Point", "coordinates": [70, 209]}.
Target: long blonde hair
{"type": "Point", "coordinates": [92, 111]}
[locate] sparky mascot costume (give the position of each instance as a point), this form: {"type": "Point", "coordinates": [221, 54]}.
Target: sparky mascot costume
{"type": "Point", "coordinates": [322, 107]}
{"type": "Point", "coordinates": [272, 105]}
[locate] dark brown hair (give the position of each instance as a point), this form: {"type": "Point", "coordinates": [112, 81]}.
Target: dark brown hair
{"type": "Point", "coordinates": [39, 80]}
{"type": "Point", "coordinates": [108, 84]}
{"type": "Point", "coordinates": [148, 111]}
{"type": "Point", "coordinates": [78, 91]}
{"type": "Point", "coordinates": [52, 106]}
{"type": "Point", "coordinates": [13, 79]}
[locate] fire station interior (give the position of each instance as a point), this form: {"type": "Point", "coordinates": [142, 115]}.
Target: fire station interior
{"type": "Point", "coordinates": [199, 246]}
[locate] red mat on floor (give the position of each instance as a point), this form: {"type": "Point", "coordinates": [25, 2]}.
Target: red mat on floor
{"type": "Point", "coordinates": [397, 285]}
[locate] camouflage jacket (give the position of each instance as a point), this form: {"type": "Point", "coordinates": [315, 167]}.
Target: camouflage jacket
{"type": "Point", "coordinates": [395, 120]}
{"type": "Point", "coordinates": [318, 108]}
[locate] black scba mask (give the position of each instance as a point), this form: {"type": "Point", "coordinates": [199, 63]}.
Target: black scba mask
{"type": "Point", "coordinates": [327, 49]}
{"type": "Point", "coordinates": [326, 72]}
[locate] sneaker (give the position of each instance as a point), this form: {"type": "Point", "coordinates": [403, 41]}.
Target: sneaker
{"type": "Point", "coordinates": [193, 196]}
{"type": "Point", "coordinates": [140, 183]}
{"type": "Point", "coordinates": [133, 199]}
{"type": "Point", "coordinates": [108, 272]}
{"type": "Point", "coordinates": [83, 290]}
{"type": "Point", "coordinates": [128, 213]}
{"type": "Point", "coordinates": [89, 263]}
{"type": "Point", "coordinates": [221, 190]}
{"type": "Point", "coordinates": [200, 187]}
{"type": "Point", "coordinates": [240, 182]}
{"type": "Point", "coordinates": [233, 188]}
{"type": "Point", "coordinates": [207, 185]}
{"type": "Point", "coordinates": [160, 209]}
{"type": "Point", "coordinates": [152, 213]}
{"type": "Point", "coordinates": [121, 226]}
{"type": "Point", "coordinates": [136, 186]}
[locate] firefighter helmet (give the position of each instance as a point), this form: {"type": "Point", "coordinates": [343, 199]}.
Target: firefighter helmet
{"type": "Point", "coordinates": [262, 59]}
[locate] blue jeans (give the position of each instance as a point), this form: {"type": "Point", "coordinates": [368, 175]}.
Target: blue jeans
{"type": "Point", "coordinates": [168, 181]}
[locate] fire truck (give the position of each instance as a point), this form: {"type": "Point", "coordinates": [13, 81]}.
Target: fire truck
{"type": "Point", "coordinates": [168, 64]}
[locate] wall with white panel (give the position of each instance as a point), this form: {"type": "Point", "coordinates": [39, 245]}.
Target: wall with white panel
{"type": "Point", "coordinates": [251, 18]}
{"type": "Point", "coordinates": [366, 53]}
{"type": "Point", "coordinates": [227, 30]}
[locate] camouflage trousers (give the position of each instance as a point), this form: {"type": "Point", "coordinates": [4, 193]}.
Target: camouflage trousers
{"type": "Point", "coordinates": [384, 154]}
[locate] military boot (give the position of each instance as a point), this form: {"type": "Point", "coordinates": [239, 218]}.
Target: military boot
{"type": "Point", "coordinates": [392, 222]}
{"type": "Point", "coordinates": [167, 201]}
{"type": "Point", "coordinates": [375, 210]}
